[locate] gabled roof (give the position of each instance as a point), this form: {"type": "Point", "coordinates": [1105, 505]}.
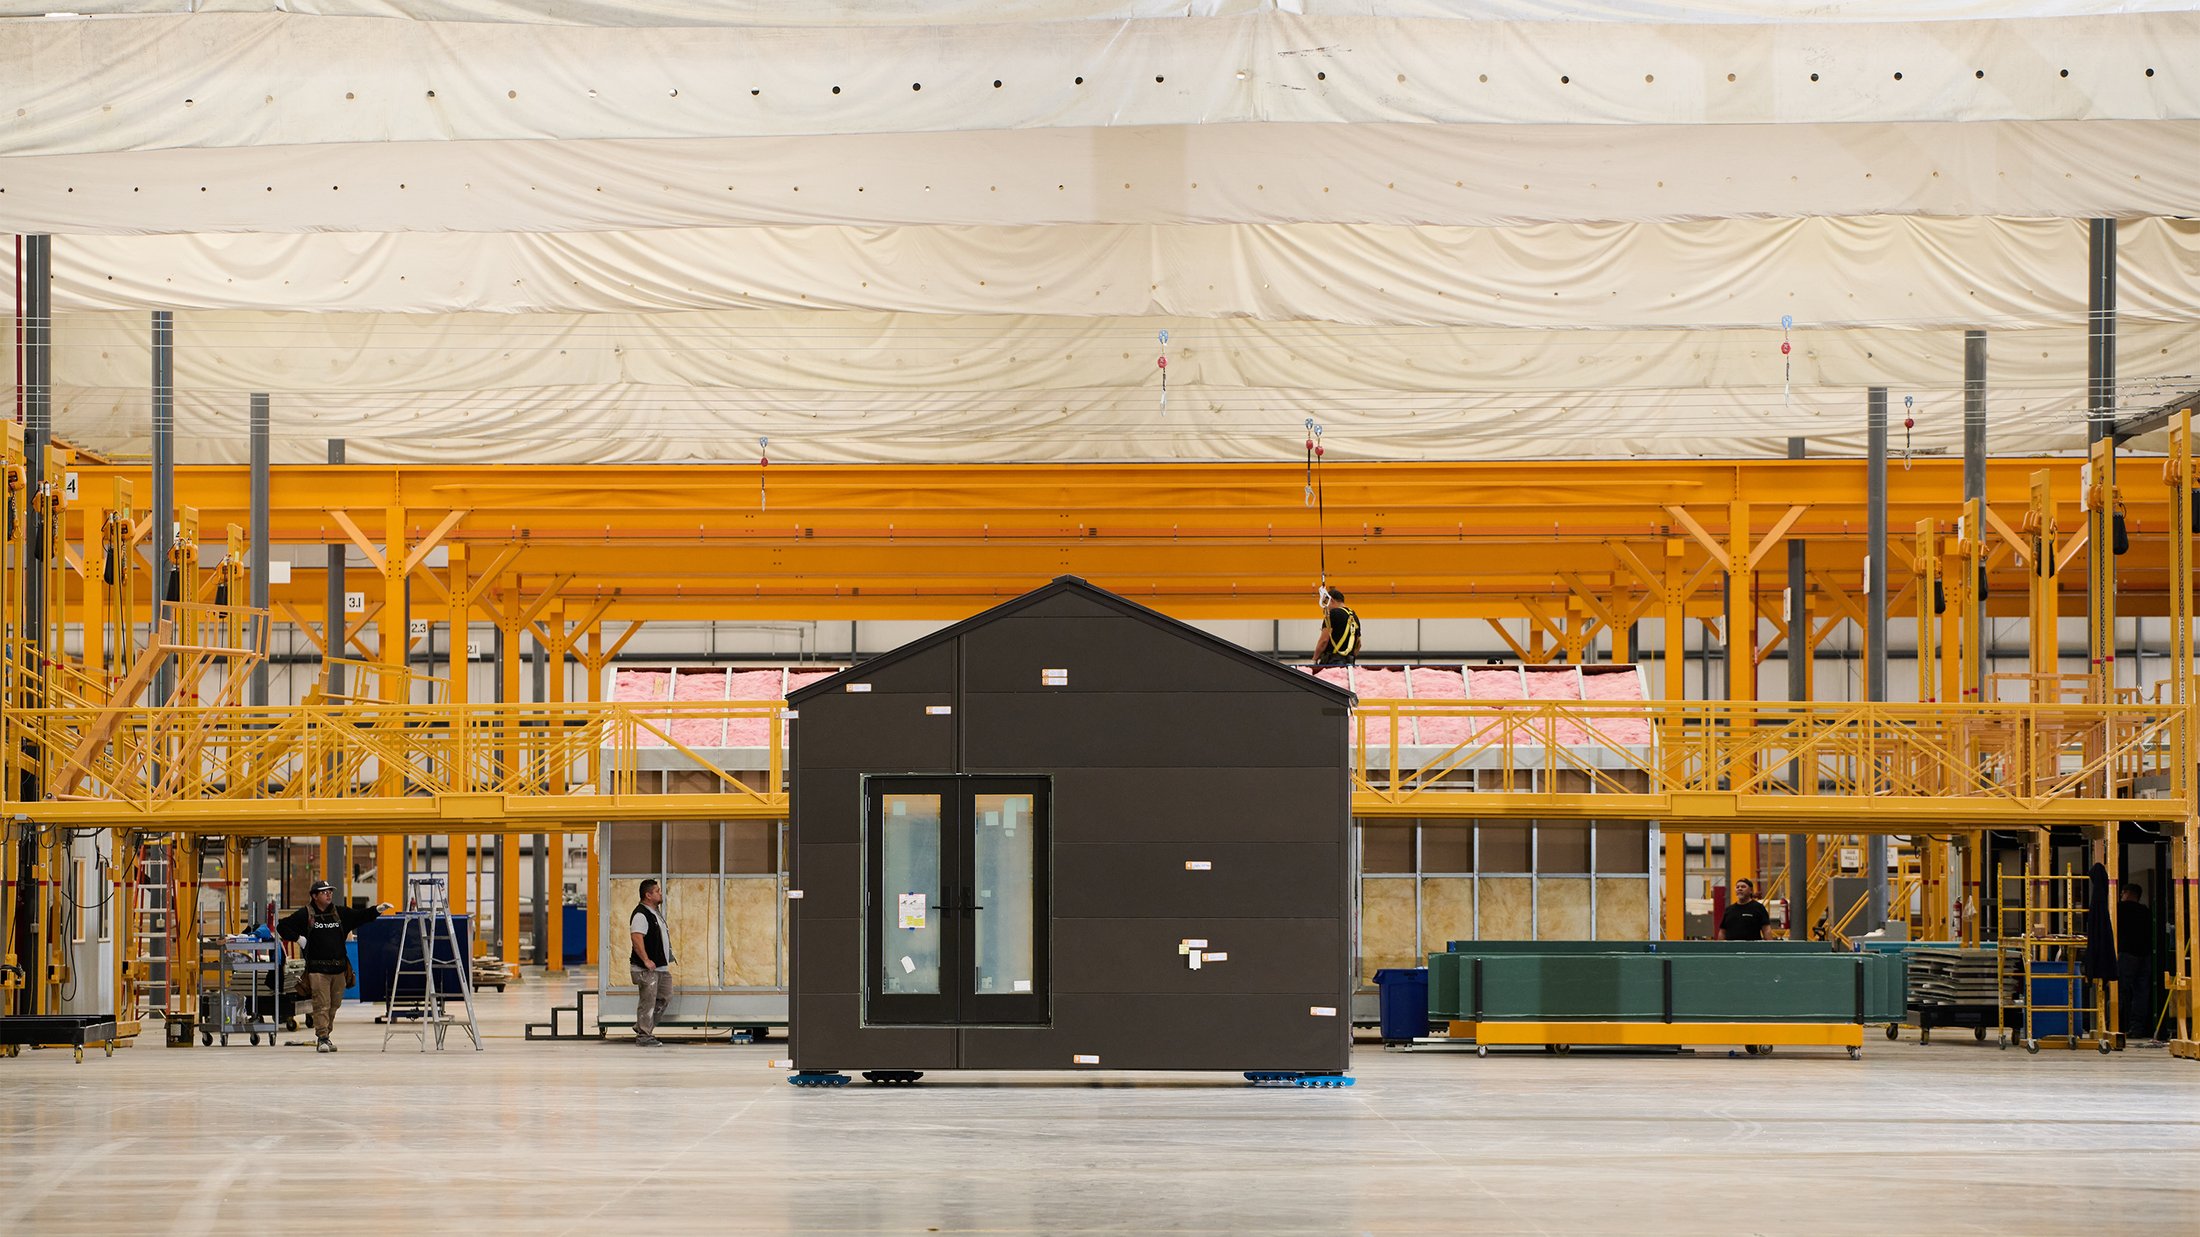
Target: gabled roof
{"type": "Point", "coordinates": [1079, 587]}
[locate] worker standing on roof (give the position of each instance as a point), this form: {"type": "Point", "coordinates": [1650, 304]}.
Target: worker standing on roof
{"type": "Point", "coordinates": [1339, 643]}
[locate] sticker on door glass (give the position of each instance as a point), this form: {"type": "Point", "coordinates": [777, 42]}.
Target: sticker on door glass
{"type": "Point", "coordinates": [908, 965]}
{"type": "Point", "coordinates": [1023, 985]}
{"type": "Point", "coordinates": [912, 911]}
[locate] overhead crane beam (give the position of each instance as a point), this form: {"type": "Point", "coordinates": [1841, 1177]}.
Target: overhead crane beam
{"type": "Point", "coordinates": [1418, 540]}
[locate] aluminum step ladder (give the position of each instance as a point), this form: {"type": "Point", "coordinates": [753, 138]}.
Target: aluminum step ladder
{"type": "Point", "coordinates": [426, 944]}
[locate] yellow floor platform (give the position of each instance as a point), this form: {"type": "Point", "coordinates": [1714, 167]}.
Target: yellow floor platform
{"type": "Point", "coordinates": [1847, 1035]}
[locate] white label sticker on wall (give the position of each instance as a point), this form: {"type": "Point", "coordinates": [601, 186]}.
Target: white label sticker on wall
{"type": "Point", "coordinates": [783, 1063]}
{"type": "Point", "coordinates": [1084, 1059]}
{"type": "Point", "coordinates": [908, 965]}
{"type": "Point", "coordinates": [1054, 678]}
{"type": "Point", "coordinates": [793, 894]}
{"type": "Point", "coordinates": [858, 687]}
{"type": "Point", "coordinates": [912, 910]}
{"type": "Point", "coordinates": [416, 628]}
{"type": "Point", "coordinates": [1023, 985]}
{"type": "Point", "coordinates": [1197, 942]}
{"type": "Point", "coordinates": [1198, 865]}
{"type": "Point", "coordinates": [938, 710]}
{"type": "Point", "coordinates": [1322, 1011]}
{"type": "Point", "coordinates": [1218, 957]}
{"type": "Point", "coordinates": [1195, 956]}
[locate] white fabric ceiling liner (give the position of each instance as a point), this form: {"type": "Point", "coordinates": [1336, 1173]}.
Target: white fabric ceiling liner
{"type": "Point", "coordinates": [640, 424]}
{"type": "Point", "coordinates": [937, 12]}
{"type": "Point", "coordinates": [1874, 271]}
{"type": "Point", "coordinates": [138, 83]}
{"type": "Point", "coordinates": [1470, 175]}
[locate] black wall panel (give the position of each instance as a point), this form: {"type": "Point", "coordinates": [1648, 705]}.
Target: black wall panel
{"type": "Point", "coordinates": [829, 1034]}
{"type": "Point", "coordinates": [1138, 956]}
{"type": "Point", "coordinates": [1108, 654]}
{"type": "Point", "coordinates": [1120, 880]}
{"type": "Point", "coordinates": [1200, 805]}
{"type": "Point", "coordinates": [1155, 729]}
{"type": "Point", "coordinates": [1173, 1033]}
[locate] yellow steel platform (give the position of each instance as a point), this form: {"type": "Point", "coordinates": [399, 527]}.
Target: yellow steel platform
{"type": "Point", "coordinates": [1847, 1035]}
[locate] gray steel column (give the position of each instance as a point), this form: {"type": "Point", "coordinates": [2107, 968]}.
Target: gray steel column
{"type": "Point", "coordinates": [164, 482]}
{"type": "Point", "coordinates": [335, 621]}
{"type": "Point", "coordinates": [1799, 667]}
{"type": "Point", "coordinates": [37, 422]}
{"type": "Point", "coordinates": [260, 556]}
{"type": "Point", "coordinates": [332, 635]}
{"type": "Point", "coordinates": [2100, 320]}
{"type": "Point", "coordinates": [1974, 483]}
{"type": "Point", "coordinates": [1875, 624]}
{"type": "Point", "coordinates": [37, 433]}
{"type": "Point", "coordinates": [256, 689]}
{"type": "Point", "coordinates": [539, 663]}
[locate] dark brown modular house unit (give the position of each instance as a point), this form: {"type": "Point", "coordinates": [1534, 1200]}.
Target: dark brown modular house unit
{"type": "Point", "coordinates": [1071, 833]}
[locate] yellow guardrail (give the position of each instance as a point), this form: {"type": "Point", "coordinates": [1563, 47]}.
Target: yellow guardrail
{"type": "Point", "coordinates": [1820, 767]}
{"type": "Point", "coordinates": [2018, 758]}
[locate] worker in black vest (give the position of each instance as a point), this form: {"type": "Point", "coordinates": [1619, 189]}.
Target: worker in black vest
{"type": "Point", "coordinates": [1339, 642]}
{"type": "Point", "coordinates": [325, 927]}
{"type": "Point", "coordinates": [2135, 965]}
{"type": "Point", "coordinates": [1746, 918]}
{"type": "Point", "coordinates": [650, 964]}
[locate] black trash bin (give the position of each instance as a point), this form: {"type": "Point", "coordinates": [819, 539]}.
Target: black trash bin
{"type": "Point", "coordinates": [1403, 995]}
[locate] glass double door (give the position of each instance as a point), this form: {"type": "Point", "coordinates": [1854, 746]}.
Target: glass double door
{"type": "Point", "coordinates": [956, 883]}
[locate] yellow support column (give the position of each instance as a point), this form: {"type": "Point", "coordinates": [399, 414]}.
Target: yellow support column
{"type": "Point", "coordinates": [1675, 899]}
{"type": "Point", "coordinates": [2177, 474]}
{"type": "Point", "coordinates": [1741, 666]}
{"type": "Point", "coordinates": [508, 863]}
{"type": "Point", "coordinates": [553, 898]}
{"type": "Point", "coordinates": [394, 644]}
{"type": "Point", "coordinates": [456, 695]}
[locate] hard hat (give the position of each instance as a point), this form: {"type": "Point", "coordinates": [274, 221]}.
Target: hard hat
{"type": "Point", "coordinates": [318, 886]}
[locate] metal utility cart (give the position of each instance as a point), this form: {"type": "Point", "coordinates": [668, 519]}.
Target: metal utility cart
{"type": "Point", "coordinates": [246, 997]}
{"type": "Point", "coordinates": [2042, 966]}
{"type": "Point", "coordinates": [77, 1031]}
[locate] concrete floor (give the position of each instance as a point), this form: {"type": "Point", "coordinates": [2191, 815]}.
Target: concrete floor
{"type": "Point", "coordinates": [609, 1138]}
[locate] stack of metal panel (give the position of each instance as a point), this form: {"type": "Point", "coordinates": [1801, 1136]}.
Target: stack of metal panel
{"type": "Point", "coordinates": [1954, 975]}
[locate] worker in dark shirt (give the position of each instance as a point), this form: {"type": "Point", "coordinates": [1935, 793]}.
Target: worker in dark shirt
{"type": "Point", "coordinates": [1339, 642]}
{"type": "Point", "coordinates": [1746, 917]}
{"type": "Point", "coordinates": [2135, 964]}
{"type": "Point", "coordinates": [325, 926]}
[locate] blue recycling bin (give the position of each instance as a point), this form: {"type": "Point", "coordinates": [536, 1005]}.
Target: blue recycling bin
{"type": "Point", "coordinates": [576, 934]}
{"type": "Point", "coordinates": [1403, 997]}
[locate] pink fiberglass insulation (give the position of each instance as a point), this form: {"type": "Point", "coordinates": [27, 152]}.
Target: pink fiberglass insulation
{"type": "Point", "coordinates": [1341, 676]}
{"type": "Point", "coordinates": [640, 685]}
{"type": "Point", "coordinates": [1558, 685]}
{"type": "Point", "coordinates": [750, 686]}
{"type": "Point", "coordinates": [1443, 684]}
{"type": "Point", "coordinates": [1382, 685]}
{"type": "Point", "coordinates": [1618, 686]}
{"type": "Point", "coordinates": [633, 686]}
{"type": "Point", "coordinates": [1492, 684]}
{"type": "Point", "coordinates": [699, 731]}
